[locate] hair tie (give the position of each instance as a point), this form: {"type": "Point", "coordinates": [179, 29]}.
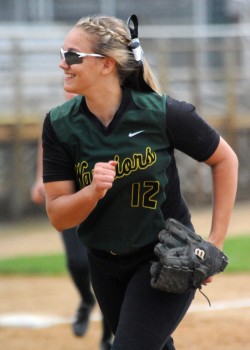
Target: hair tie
{"type": "Point", "coordinates": [135, 45]}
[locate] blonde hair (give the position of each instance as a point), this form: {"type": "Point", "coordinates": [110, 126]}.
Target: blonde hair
{"type": "Point", "coordinates": [111, 38]}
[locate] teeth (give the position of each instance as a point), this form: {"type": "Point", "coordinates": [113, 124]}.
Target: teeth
{"type": "Point", "coordinates": [69, 75]}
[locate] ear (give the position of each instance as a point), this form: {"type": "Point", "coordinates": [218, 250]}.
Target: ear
{"type": "Point", "coordinates": [108, 65]}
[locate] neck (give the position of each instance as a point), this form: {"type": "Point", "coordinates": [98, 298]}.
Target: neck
{"type": "Point", "coordinates": [105, 104]}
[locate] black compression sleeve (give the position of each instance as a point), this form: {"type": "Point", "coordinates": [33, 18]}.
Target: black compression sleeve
{"type": "Point", "coordinates": [188, 132]}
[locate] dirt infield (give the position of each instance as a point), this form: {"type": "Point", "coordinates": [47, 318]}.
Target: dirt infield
{"type": "Point", "coordinates": [224, 326]}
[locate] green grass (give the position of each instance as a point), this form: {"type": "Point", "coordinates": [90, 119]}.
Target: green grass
{"type": "Point", "coordinates": [236, 248]}
{"type": "Point", "coordinates": [34, 265]}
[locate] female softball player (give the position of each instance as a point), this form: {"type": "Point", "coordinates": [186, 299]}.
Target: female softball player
{"type": "Point", "coordinates": [109, 168]}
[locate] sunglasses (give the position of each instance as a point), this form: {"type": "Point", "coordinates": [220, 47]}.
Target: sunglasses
{"type": "Point", "coordinates": [71, 57]}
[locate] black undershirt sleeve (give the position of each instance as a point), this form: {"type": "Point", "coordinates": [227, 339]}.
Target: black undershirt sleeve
{"type": "Point", "coordinates": [57, 162]}
{"type": "Point", "coordinates": [189, 132]}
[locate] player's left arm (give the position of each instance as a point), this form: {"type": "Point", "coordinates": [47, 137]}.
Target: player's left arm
{"type": "Point", "coordinates": [224, 167]}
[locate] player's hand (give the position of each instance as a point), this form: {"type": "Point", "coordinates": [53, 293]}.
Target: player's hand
{"type": "Point", "coordinates": [208, 280]}
{"type": "Point", "coordinates": [103, 178]}
{"type": "Point", "coordinates": [37, 192]}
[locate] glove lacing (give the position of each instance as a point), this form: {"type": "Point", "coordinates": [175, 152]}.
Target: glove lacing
{"type": "Point", "coordinates": [209, 303]}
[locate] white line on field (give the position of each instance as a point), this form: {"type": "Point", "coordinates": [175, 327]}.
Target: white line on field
{"type": "Point", "coordinates": [25, 320]}
{"type": "Point", "coordinates": [220, 305]}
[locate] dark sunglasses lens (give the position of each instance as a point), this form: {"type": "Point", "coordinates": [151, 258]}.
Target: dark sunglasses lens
{"type": "Point", "coordinates": [72, 58]}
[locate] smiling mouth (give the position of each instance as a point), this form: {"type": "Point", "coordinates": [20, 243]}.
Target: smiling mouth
{"type": "Point", "coordinates": [68, 76]}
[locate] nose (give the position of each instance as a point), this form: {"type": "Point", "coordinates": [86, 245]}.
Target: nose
{"type": "Point", "coordinates": [63, 64]}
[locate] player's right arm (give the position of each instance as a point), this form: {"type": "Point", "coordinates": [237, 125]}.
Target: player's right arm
{"type": "Point", "coordinates": [66, 207]}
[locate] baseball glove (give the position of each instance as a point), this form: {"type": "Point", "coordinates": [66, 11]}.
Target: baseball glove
{"type": "Point", "coordinates": [185, 260]}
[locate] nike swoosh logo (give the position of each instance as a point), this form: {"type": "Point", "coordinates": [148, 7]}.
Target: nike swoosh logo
{"type": "Point", "coordinates": [131, 134]}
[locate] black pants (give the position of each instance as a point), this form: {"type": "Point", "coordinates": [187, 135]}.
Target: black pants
{"type": "Point", "coordinates": [77, 264]}
{"type": "Point", "coordinates": [78, 267]}
{"type": "Point", "coordinates": [140, 316]}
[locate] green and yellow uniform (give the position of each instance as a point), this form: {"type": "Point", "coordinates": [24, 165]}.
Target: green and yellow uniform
{"type": "Point", "coordinates": [141, 138]}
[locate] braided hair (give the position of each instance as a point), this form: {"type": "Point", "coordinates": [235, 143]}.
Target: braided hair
{"type": "Point", "coordinates": [111, 38]}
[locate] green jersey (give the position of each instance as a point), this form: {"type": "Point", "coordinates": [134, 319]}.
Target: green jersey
{"type": "Point", "coordinates": [132, 212]}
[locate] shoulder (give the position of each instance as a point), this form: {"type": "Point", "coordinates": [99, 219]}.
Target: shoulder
{"type": "Point", "coordinates": [182, 114]}
{"type": "Point", "coordinates": [69, 107]}
{"type": "Point", "coordinates": [189, 132]}
{"type": "Point", "coordinates": [151, 101]}
{"type": "Point", "coordinates": [179, 107]}
{"type": "Point", "coordinates": [64, 119]}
